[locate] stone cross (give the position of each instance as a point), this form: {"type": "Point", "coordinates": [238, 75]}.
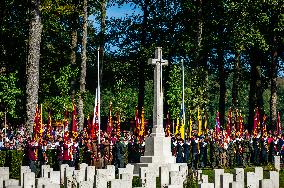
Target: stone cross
{"type": "Point", "coordinates": [158, 92]}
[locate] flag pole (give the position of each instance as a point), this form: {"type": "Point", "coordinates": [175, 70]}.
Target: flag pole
{"type": "Point", "coordinates": [99, 97]}
{"type": "Point", "coordinates": [183, 112]}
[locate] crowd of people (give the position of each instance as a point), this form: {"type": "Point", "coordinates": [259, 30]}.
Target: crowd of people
{"type": "Point", "coordinates": [198, 151]}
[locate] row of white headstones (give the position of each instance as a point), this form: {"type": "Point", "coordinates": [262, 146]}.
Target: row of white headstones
{"type": "Point", "coordinates": [170, 175]}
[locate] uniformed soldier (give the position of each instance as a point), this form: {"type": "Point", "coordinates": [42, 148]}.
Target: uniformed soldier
{"type": "Point", "coordinates": [231, 153]}
{"type": "Point", "coordinates": [195, 151]}
{"type": "Point", "coordinates": [186, 149]}
{"type": "Point", "coordinates": [179, 157]}
{"type": "Point", "coordinates": [33, 155]}
{"type": "Point", "coordinates": [246, 154]}
{"type": "Point", "coordinates": [203, 152]}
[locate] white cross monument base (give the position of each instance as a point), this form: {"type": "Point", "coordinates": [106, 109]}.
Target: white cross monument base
{"type": "Point", "coordinates": [157, 146]}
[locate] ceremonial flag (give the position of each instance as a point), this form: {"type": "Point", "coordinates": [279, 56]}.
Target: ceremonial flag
{"type": "Point", "coordinates": [278, 126]}
{"type": "Point", "coordinates": [256, 122]}
{"type": "Point", "coordinates": [229, 123]}
{"type": "Point", "coordinates": [118, 126]}
{"type": "Point", "coordinates": [264, 130]}
{"type": "Point", "coordinates": [36, 124]}
{"type": "Point", "coordinates": [190, 125]}
{"type": "Point", "coordinates": [182, 126]}
{"type": "Point", "coordinates": [241, 124]}
{"type": "Point", "coordinates": [74, 122]}
{"type": "Point", "coordinates": [177, 127]}
{"type": "Point", "coordinates": [142, 126]}
{"type": "Point", "coordinates": [40, 132]}
{"type": "Point", "coordinates": [137, 121]}
{"type": "Point", "coordinates": [199, 122]}
{"type": "Point", "coordinates": [89, 127]}
{"type": "Point", "coordinates": [168, 125]}
{"type": "Point", "coordinates": [95, 123]}
{"type": "Point", "coordinates": [110, 125]}
{"type": "Point", "coordinates": [217, 127]}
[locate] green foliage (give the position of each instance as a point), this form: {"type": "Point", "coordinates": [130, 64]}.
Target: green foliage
{"type": "Point", "coordinates": [9, 93]}
{"type": "Point", "coordinates": [174, 93]}
{"type": "Point", "coordinates": [16, 159]}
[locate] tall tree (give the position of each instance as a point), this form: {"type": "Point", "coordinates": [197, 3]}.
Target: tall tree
{"type": "Point", "coordinates": [83, 65]}
{"type": "Point", "coordinates": [32, 67]}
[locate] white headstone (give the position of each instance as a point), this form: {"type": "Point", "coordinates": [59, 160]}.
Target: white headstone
{"type": "Point", "coordinates": [226, 179]}
{"type": "Point", "coordinates": [217, 174]}
{"type": "Point", "coordinates": [91, 172]}
{"type": "Point", "coordinates": [206, 185]}
{"type": "Point", "coordinates": [3, 176]}
{"type": "Point", "coordinates": [11, 182]}
{"type": "Point", "coordinates": [24, 169]}
{"type": "Point", "coordinates": [54, 177]}
{"type": "Point", "coordinates": [29, 180]}
{"type": "Point", "coordinates": [252, 180]}
{"type": "Point", "coordinates": [42, 181]}
{"type": "Point", "coordinates": [117, 183]}
{"type": "Point", "coordinates": [175, 178]}
{"type": "Point", "coordinates": [204, 178]}
{"type": "Point", "coordinates": [277, 162]}
{"type": "Point", "coordinates": [258, 172]}
{"type": "Point", "coordinates": [62, 172]}
{"type": "Point", "coordinates": [266, 183]}
{"type": "Point", "coordinates": [86, 184]}
{"type": "Point", "coordinates": [237, 184]}
{"type": "Point", "coordinates": [274, 176]}
{"type": "Point", "coordinates": [45, 169]}
{"type": "Point", "coordinates": [101, 181]}
{"type": "Point", "coordinates": [51, 186]}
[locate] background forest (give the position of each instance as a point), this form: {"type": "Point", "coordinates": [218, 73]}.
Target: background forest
{"type": "Point", "coordinates": [232, 50]}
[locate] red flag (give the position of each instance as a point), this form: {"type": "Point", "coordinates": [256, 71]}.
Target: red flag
{"type": "Point", "coordinates": [217, 127]}
{"type": "Point", "coordinates": [110, 125]}
{"type": "Point", "coordinates": [137, 121]}
{"type": "Point", "coordinates": [36, 124]}
{"type": "Point", "coordinates": [229, 123]}
{"type": "Point", "coordinates": [74, 122]}
{"type": "Point", "coordinates": [255, 123]}
{"type": "Point", "coordinates": [142, 126]}
{"type": "Point", "coordinates": [241, 124]}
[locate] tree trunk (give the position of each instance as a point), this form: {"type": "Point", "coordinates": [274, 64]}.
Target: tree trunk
{"type": "Point", "coordinates": [141, 66]}
{"type": "Point", "coordinates": [32, 67]}
{"type": "Point", "coordinates": [273, 88]}
{"type": "Point", "coordinates": [236, 82]}
{"type": "Point", "coordinates": [255, 93]}
{"type": "Point", "coordinates": [222, 82]}
{"type": "Point", "coordinates": [83, 66]}
{"type": "Point", "coordinates": [73, 55]}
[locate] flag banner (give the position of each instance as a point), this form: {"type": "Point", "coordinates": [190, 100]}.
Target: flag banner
{"type": "Point", "coordinates": [36, 124]}
{"type": "Point", "coordinates": [217, 126]}
{"type": "Point", "coordinates": [241, 125]}
{"type": "Point", "coordinates": [264, 129]}
{"type": "Point", "coordinates": [168, 126]}
{"type": "Point", "coordinates": [199, 122]}
{"type": "Point", "coordinates": [142, 125]}
{"type": "Point", "coordinates": [74, 122]}
{"type": "Point", "coordinates": [229, 123]}
{"type": "Point", "coordinates": [110, 123]}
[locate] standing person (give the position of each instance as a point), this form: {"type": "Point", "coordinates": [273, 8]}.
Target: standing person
{"type": "Point", "coordinates": [59, 151]}
{"type": "Point", "coordinates": [67, 152]}
{"type": "Point", "coordinates": [179, 158]}
{"type": "Point", "coordinates": [33, 155]}
{"type": "Point", "coordinates": [118, 154]}
{"type": "Point", "coordinates": [186, 149]}
{"type": "Point", "coordinates": [246, 154]}
{"type": "Point", "coordinates": [195, 151]}
{"type": "Point", "coordinates": [255, 145]}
